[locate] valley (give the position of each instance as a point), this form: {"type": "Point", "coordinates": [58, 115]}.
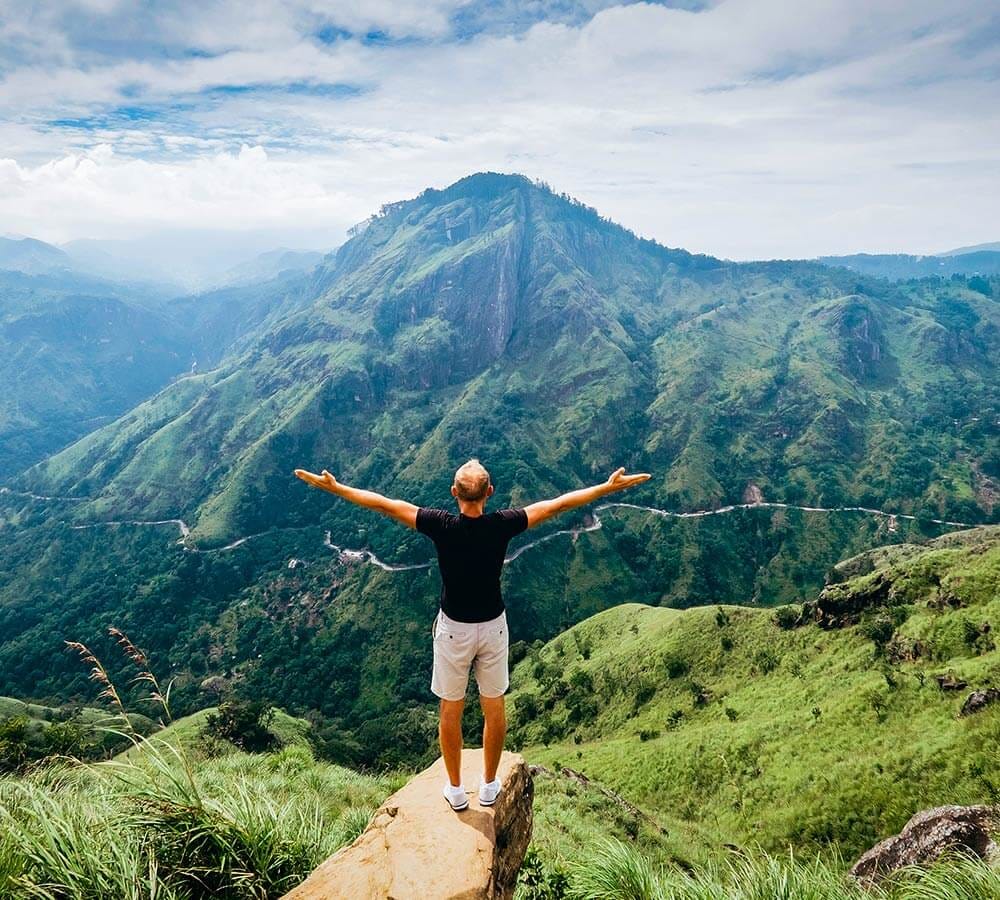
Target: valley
{"type": "Point", "coordinates": [768, 645]}
{"type": "Point", "coordinates": [793, 414]}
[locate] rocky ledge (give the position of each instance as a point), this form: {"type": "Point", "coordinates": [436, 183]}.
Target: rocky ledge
{"type": "Point", "coordinates": [929, 835]}
{"type": "Point", "coordinates": [415, 846]}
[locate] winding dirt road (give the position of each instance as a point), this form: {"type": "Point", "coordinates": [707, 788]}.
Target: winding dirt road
{"type": "Point", "coordinates": [347, 554]}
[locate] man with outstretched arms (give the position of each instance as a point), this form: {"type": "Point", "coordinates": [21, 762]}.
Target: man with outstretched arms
{"type": "Point", "coordinates": [471, 626]}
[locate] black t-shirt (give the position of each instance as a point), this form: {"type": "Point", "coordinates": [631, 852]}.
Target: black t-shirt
{"type": "Point", "coordinates": [470, 551]}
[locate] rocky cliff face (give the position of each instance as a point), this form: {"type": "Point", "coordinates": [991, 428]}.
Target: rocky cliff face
{"type": "Point", "coordinates": [415, 846]}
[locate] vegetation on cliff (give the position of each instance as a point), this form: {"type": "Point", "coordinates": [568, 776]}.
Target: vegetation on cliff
{"type": "Point", "coordinates": [778, 728]}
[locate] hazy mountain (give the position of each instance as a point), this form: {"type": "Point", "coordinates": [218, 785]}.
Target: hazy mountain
{"type": "Point", "coordinates": [993, 246]}
{"type": "Point", "coordinates": [190, 260]}
{"type": "Point", "coordinates": [984, 260]}
{"type": "Point", "coordinates": [497, 319]}
{"type": "Point", "coordinates": [31, 256]}
{"type": "Point", "coordinates": [75, 352]}
{"type": "Point", "coordinates": [270, 265]}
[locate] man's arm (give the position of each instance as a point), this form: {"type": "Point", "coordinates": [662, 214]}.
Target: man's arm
{"type": "Point", "coordinates": [546, 509]}
{"type": "Point", "coordinates": [403, 512]}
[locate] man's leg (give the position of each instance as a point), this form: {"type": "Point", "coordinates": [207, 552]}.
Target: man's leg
{"type": "Point", "coordinates": [494, 732]}
{"type": "Point", "coordinates": [450, 736]}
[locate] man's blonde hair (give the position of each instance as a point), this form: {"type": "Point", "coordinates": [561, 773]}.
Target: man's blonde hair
{"type": "Point", "coordinates": [472, 481]}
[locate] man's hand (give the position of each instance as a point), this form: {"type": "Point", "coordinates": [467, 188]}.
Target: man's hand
{"type": "Point", "coordinates": [403, 512]}
{"type": "Point", "coordinates": [324, 481]}
{"type": "Point", "coordinates": [618, 480]}
{"type": "Point", "coordinates": [546, 509]}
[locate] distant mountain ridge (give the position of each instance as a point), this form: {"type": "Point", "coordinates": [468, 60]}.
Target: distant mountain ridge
{"type": "Point", "coordinates": [975, 248]}
{"type": "Point", "coordinates": [983, 260]}
{"type": "Point", "coordinates": [498, 319]}
{"type": "Point", "coordinates": [31, 256]}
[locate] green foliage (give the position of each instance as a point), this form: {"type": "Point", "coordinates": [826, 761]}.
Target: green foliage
{"type": "Point", "coordinates": [613, 870]}
{"type": "Point", "coordinates": [164, 823]}
{"type": "Point", "coordinates": [794, 737]}
{"type": "Point", "coordinates": [766, 660]}
{"type": "Point", "coordinates": [676, 667]}
{"type": "Point", "coordinates": [786, 617]}
{"type": "Point", "coordinates": [243, 724]}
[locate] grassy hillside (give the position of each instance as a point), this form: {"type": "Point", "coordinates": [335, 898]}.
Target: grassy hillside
{"type": "Point", "coordinates": [496, 319]}
{"type": "Point", "coordinates": [233, 826]}
{"type": "Point", "coordinates": [749, 726]}
{"type": "Point", "coordinates": [30, 732]}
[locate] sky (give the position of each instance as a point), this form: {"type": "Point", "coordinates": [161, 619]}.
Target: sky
{"type": "Point", "coordinates": [743, 128]}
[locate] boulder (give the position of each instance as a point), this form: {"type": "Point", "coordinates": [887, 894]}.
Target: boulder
{"type": "Point", "coordinates": [978, 700]}
{"type": "Point", "coordinates": [967, 830]}
{"type": "Point", "coordinates": [842, 604]}
{"type": "Point", "coordinates": [416, 846]}
{"type": "Point", "coordinates": [950, 682]}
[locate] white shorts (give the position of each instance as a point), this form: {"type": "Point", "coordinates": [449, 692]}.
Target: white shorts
{"type": "Point", "coordinates": [459, 646]}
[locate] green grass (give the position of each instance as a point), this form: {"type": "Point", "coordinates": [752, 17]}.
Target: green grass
{"type": "Point", "coordinates": [617, 871]}
{"type": "Point", "coordinates": [186, 735]}
{"type": "Point", "coordinates": [158, 823]}
{"type": "Point", "coordinates": [750, 734]}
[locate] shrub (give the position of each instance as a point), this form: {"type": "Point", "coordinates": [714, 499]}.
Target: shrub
{"type": "Point", "coordinates": [539, 880]}
{"type": "Point", "coordinates": [518, 651]}
{"type": "Point", "coordinates": [644, 692]}
{"type": "Point", "coordinates": [243, 724]}
{"type": "Point", "coordinates": [675, 666]}
{"type": "Point", "coordinates": [766, 661]}
{"type": "Point", "coordinates": [879, 628]}
{"type": "Point", "coordinates": [527, 706]}
{"type": "Point", "coordinates": [788, 617]}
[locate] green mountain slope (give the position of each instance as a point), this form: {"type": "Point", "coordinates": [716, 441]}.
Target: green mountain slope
{"type": "Point", "coordinates": [75, 352]}
{"type": "Point", "coordinates": [825, 731]}
{"type": "Point", "coordinates": [497, 319]}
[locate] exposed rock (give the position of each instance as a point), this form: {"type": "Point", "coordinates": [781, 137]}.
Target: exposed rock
{"type": "Point", "coordinates": [902, 648]}
{"type": "Point", "coordinates": [979, 700]}
{"type": "Point", "coordinates": [928, 835]}
{"type": "Point", "coordinates": [753, 494]}
{"type": "Point", "coordinates": [867, 562]}
{"type": "Point", "coordinates": [840, 605]}
{"type": "Point", "coordinates": [950, 682]}
{"type": "Point", "coordinates": [416, 847]}
{"type": "Point", "coordinates": [863, 346]}
{"type": "Point", "coordinates": [215, 684]}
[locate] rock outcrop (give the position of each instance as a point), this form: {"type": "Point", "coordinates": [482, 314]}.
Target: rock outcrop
{"type": "Point", "coordinates": [979, 700]}
{"type": "Point", "coordinates": [416, 847]}
{"type": "Point", "coordinates": [930, 834]}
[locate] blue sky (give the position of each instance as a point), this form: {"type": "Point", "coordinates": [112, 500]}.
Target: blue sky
{"type": "Point", "coordinates": [744, 128]}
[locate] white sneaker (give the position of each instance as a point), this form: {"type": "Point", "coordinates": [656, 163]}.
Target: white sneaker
{"type": "Point", "coordinates": [456, 796]}
{"type": "Point", "coordinates": [488, 791]}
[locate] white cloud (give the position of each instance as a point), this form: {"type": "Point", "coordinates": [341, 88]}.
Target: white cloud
{"type": "Point", "coordinates": [749, 129]}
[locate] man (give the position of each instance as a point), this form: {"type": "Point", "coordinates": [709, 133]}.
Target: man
{"type": "Point", "coordinates": [471, 627]}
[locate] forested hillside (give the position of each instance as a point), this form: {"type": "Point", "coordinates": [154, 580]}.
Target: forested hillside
{"type": "Point", "coordinates": [495, 319]}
